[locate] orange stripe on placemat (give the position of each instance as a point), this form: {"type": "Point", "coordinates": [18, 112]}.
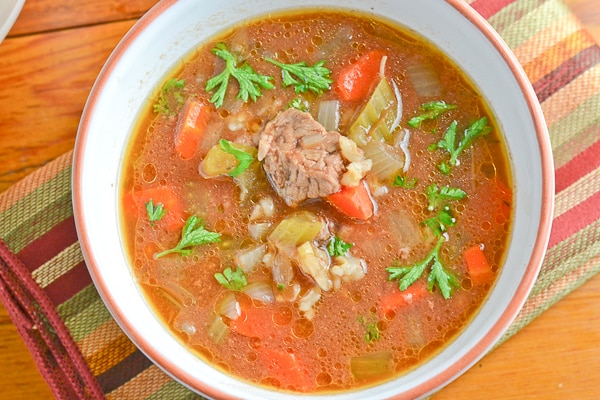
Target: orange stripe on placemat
{"type": "Point", "coordinates": [124, 371]}
{"type": "Point", "coordinates": [47, 246]}
{"type": "Point", "coordinates": [96, 340]}
{"type": "Point", "coordinates": [578, 167]}
{"type": "Point", "coordinates": [567, 72]}
{"type": "Point", "coordinates": [145, 384]}
{"type": "Point", "coordinates": [487, 8]}
{"type": "Point", "coordinates": [554, 56]}
{"type": "Point", "coordinates": [113, 352]}
{"type": "Point", "coordinates": [577, 218]}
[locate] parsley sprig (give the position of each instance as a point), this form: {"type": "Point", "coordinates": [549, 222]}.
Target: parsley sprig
{"type": "Point", "coordinates": [431, 110]}
{"type": "Point", "coordinates": [337, 247]}
{"type": "Point", "coordinates": [232, 279]}
{"type": "Point", "coordinates": [192, 234]}
{"type": "Point", "coordinates": [250, 81]}
{"type": "Point", "coordinates": [405, 182]}
{"type": "Point", "coordinates": [155, 212]}
{"type": "Point", "coordinates": [372, 332]}
{"type": "Point", "coordinates": [170, 94]}
{"type": "Point", "coordinates": [436, 195]}
{"type": "Point", "coordinates": [438, 275]}
{"type": "Point", "coordinates": [448, 142]}
{"type": "Point", "coordinates": [315, 78]}
{"type": "Point", "coordinates": [244, 159]}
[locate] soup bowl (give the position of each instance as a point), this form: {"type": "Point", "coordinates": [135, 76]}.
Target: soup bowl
{"type": "Point", "coordinates": [157, 44]}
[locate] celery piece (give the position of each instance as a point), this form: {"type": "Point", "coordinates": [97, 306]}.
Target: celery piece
{"type": "Point", "coordinates": [218, 162]}
{"type": "Point", "coordinates": [295, 230]}
{"type": "Point", "coordinates": [370, 366]}
{"type": "Point", "coordinates": [376, 117]}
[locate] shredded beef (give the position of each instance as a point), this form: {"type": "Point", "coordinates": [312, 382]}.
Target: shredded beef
{"type": "Point", "coordinates": [301, 159]}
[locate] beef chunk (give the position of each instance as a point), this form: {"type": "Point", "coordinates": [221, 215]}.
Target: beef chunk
{"type": "Point", "coordinates": [301, 159]}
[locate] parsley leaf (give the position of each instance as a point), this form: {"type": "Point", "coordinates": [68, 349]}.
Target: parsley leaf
{"type": "Point", "coordinates": [250, 82]}
{"type": "Point", "coordinates": [244, 159]}
{"type": "Point", "coordinates": [438, 275]}
{"type": "Point", "coordinates": [315, 78]}
{"type": "Point", "coordinates": [448, 142]}
{"type": "Point", "coordinates": [440, 222]}
{"type": "Point", "coordinates": [431, 110]}
{"type": "Point", "coordinates": [402, 181]}
{"type": "Point", "coordinates": [170, 94]}
{"type": "Point", "coordinates": [299, 104]}
{"type": "Point", "coordinates": [435, 195]}
{"type": "Point", "coordinates": [192, 234]}
{"type": "Point", "coordinates": [155, 213]}
{"type": "Point", "coordinates": [372, 332]}
{"type": "Point", "coordinates": [337, 247]}
{"type": "Point", "coordinates": [232, 280]}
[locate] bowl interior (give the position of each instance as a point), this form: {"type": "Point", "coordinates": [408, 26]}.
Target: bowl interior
{"type": "Point", "coordinates": [169, 32]}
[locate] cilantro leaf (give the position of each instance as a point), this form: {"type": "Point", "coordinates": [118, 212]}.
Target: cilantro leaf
{"type": "Point", "coordinates": [170, 95]}
{"type": "Point", "coordinates": [155, 212]}
{"type": "Point", "coordinates": [232, 280]}
{"type": "Point", "coordinates": [402, 181]}
{"type": "Point", "coordinates": [315, 78]}
{"type": "Point", "coordinates": [438, 275]}
{"type": "Point", "coordinates": [435, 195]}
{"type": "Point", "coordinates": [337, 247]}
{"type": "Point", "coordinates": [192, 234]}
{"type": "Point", "coordinates": [448, 142]}
{"type": "Point", "coordinates": [250, 82]}
{"type": "Point", "coordinates": [244, 159]}
{"type": "Point", "coordinates": [431, 110]}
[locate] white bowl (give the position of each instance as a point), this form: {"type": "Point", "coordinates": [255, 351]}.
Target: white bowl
{"type": "Point", "coordinates": [168, 32]}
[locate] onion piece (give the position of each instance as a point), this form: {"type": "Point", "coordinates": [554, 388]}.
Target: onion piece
{"type": "Point", "coordinates": [403, 144]}
{"type": "Point", "coordinates": [261, 291]}
{"type": "Point", "coordinates": [329, 114]}
{"type": "Point", "coordinates": [387, 160]}
{"type": "Point", "coordinates": [229, 307]}
{"type": "Point", "coordinates": [399, 108]}
{"type": "Point", "coordinates": [424, 79]}
{"type": "Point", "coordinates": [217, 330]}
{"type": "Point", "coordinates": [248, 259]}
{"type": "Point", "coordinates": [258, 231]}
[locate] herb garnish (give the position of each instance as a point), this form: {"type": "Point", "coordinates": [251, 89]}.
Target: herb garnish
{"type": "Point", "coordinates": [431, 110]}
{"type": "Point", "coordinates": [232, 280]}
{"type": "Point", "coordinates": [435, 195]}
{"type": "Point", "coordinates": [371, 330]}
{"type": "Point", "coordinates": [244, 159]}
{"type": "Point", "coordinates": [155, 212]}
{"type": "Point", "coordinates": [192, 234]}
{"type": "Point", "coordinates": [337, 247]}
{"type": "Point", "coordinates": [448, 142]}
{"type": "Point", "coordinates": [172, 88]}
{"type": "Point", "coordinates": [315, 78]}
{"type": "Point", "coordinates": [250, 81]}
{"type": "Point", "coordinates": [404, 182]}
{"type": "Point", "coordinates": [438, 275]}
{"type": "Point", "coordinates": [299, 104]}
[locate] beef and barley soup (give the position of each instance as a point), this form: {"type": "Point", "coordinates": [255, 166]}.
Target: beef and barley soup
{"type": "Point", "coordinates": [316, 201]}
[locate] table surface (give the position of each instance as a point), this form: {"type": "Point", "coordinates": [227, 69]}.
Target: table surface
{"type": "Point", "coordinates": [48, 63]}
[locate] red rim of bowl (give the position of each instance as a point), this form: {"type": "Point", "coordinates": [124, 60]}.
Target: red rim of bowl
{"type": "Point", "coordinates": [435, 382]}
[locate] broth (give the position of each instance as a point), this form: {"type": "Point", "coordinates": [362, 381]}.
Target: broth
{"type": "Point", "coordinates": [328, 303]}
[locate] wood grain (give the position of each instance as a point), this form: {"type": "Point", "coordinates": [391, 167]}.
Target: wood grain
{"type": "Point", "coordinates": [48, 64]}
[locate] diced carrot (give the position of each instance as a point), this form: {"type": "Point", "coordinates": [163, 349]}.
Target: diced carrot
{"type": "Point", "coordinates": [354, 201]}
{"type": "Point", "coordinates": [254, 321]}
{"type": "Point", "coordinates": [190, 128]}
{"type": "Point", "coordinates": [477, 265]}
{"type": "Point", "coordinates": [355, 81]}
{"type": "Point", "coordinates": [397, 299]}
{"type": "Point", "coordinates": [287, 368]}
{"type": "Point", "coordinates": [134, 203]}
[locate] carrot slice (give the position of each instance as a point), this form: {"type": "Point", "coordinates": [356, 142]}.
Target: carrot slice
{"type": "Point", "coordinates": [190, 127]}
{"type": "Point", "coordinates": [397, 299]}
{"type": "Point", "coordinates": [354, 201]}
{"type": "Point", "coordinates": [287, 368]}
{"type": "Point", "coordinates": [355, 81]}
{"type": "Point", "coordinates": [253, 321]}
{"type": "Point", "coordinates": [477, 265]}
{"type": "Point", "coordinates": [134, 203]}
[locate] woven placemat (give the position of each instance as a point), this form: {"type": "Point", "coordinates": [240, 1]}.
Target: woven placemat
{"type": "Point", "coordinates": [81, 351]}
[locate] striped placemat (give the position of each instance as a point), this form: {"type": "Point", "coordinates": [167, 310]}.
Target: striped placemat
{"type": "Point", "coordinates": [82, 352]}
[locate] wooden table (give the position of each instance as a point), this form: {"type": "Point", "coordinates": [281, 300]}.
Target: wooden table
{"type": "Point", "coordinates": [48, 64]}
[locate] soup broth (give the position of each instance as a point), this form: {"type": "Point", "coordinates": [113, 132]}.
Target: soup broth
{"type": "Point", "coordinates": [316, 201]}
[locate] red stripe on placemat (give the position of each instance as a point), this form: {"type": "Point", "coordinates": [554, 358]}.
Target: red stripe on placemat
{"type": "Point", "coordinates": [574, 220]}
{"type": "Point", "coordinates": [47, 246]}
{"type": "Point", "coordinates": [68, 284]}
{"type": "Point", "coordinates": [124, 371]}
{"type": "Point", "coordinates": [578, 167]}
{"type": "Point", "coordinates": [487, 8]}
{"type": "Point", "coordinates": [566, 72]}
